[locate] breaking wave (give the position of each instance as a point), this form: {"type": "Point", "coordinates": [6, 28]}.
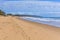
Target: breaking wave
{"type": "Point", "coordinates": [49, 21]}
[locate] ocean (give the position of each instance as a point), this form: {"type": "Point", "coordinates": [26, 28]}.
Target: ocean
{"type": "Point", "coordinates": [50, 21]}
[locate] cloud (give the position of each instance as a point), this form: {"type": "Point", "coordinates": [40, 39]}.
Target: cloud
{"type": "Point", "coordinates": [20, 0]}
{"type": "Point", "coordinates": [43, 8]}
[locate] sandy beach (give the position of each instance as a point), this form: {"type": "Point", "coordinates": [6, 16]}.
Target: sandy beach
{"type": "Point", "coordinates": [12, 28]}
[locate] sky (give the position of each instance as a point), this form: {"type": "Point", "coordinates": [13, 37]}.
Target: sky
{"type": "Point", "coordinates": [30, 0]}
{"type": "Point", "coordinates": [47, 8]}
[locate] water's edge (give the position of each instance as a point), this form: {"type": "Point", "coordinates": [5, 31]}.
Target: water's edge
{"type": "Point", "coordinates": [53, 22]}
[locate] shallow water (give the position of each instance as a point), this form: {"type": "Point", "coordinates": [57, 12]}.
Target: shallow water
{"type": "Point", "coordinates": [49, 21]}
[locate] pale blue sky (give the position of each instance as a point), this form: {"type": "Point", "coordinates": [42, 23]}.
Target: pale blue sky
{"type": "Point", "coordinates": [41, 8]}
{"type": "Point", "coordinates": [32, 0]}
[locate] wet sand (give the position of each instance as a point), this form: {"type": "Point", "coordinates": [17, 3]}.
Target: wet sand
{"type": "Point", "coordinates": [12, 28]}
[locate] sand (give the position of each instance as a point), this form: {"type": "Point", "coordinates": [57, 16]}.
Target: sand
{"type": "Point", "coordinates": [12, 28]}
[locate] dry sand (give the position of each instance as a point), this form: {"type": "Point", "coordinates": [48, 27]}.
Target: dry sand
{"type": "Point", "coordinates": [12, 28]}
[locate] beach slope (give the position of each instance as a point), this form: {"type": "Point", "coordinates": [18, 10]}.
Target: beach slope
{"type": "Point", "coordinates": [12, 28]}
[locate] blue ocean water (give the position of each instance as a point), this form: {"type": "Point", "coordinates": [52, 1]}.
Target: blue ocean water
{"type": "Point", "coordinates": [50, 21]}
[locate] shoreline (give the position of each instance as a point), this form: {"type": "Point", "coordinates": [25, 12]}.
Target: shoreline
{"type": "Point", "coordinates": [41, 22]}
